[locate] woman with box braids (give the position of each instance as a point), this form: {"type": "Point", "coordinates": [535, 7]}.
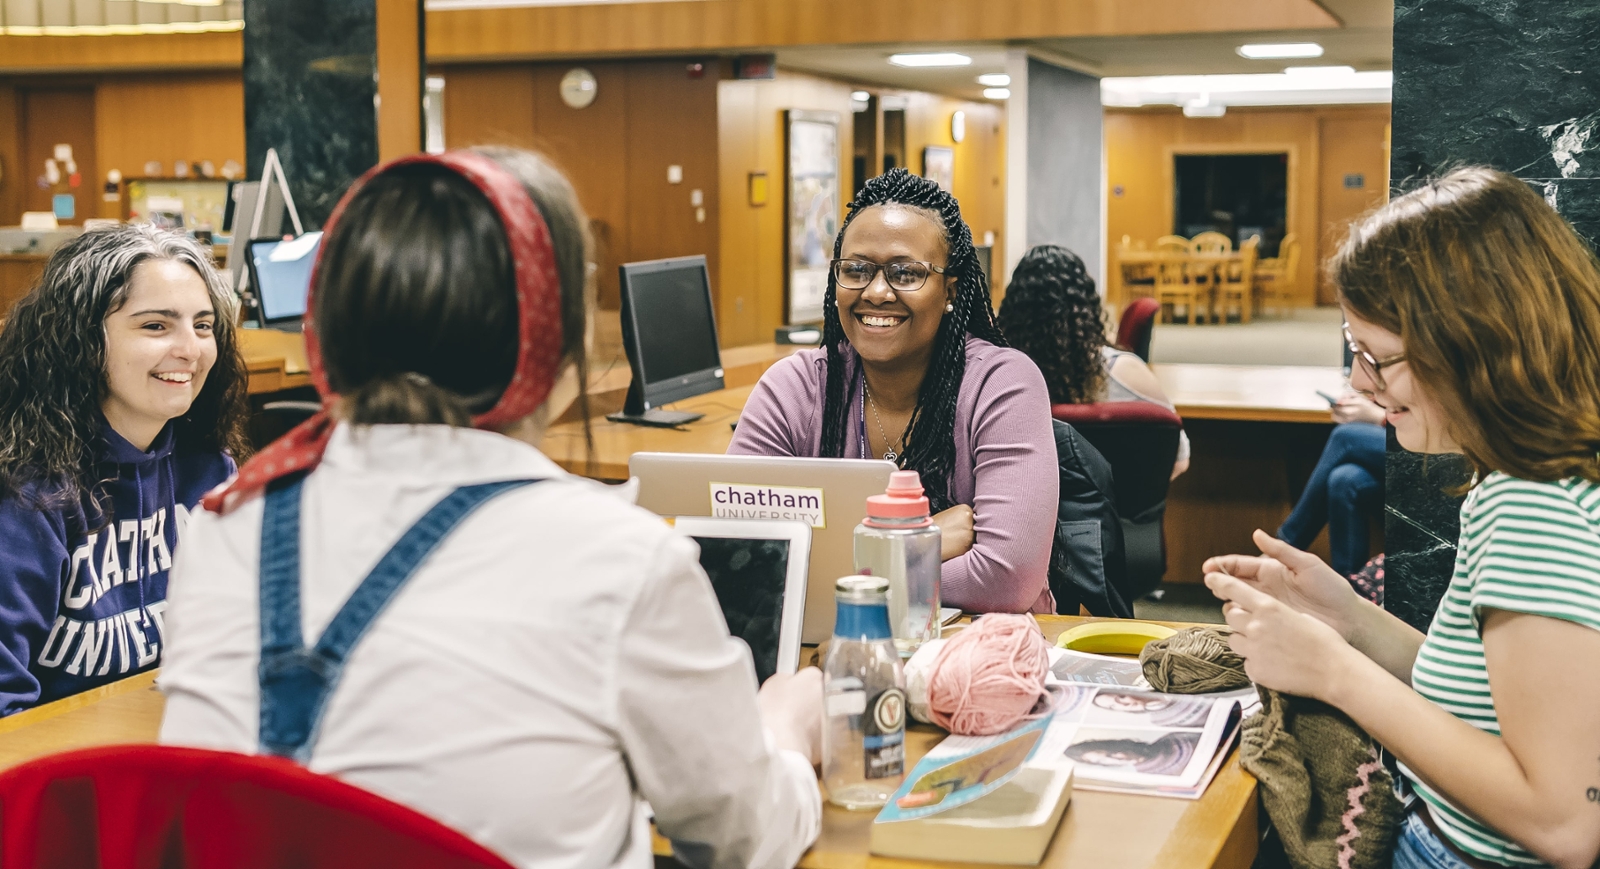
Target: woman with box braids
{"type": "Point", "coordinates": [929, 449]}
{"type": "Point", "coordinates": [913, 370]}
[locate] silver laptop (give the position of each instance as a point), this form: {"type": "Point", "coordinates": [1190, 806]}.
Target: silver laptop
{"type": "Point", "coordinates": [830, 495]}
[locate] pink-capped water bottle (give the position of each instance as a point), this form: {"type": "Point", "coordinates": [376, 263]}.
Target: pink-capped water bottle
{"type": "Point", "coordinates": [899, 542]}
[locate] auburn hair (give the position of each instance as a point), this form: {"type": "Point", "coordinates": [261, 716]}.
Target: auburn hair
{"type": "Point", "coordinates": [1496, 300]}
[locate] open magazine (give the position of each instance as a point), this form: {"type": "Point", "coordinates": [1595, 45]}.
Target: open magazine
{"type": "Point", "coordinates": [1126, 737]}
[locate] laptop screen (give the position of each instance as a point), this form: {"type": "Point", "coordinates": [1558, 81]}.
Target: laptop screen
{"type": "Point", "coordinates": [281, 274]}
{"type": "Point", "coordinates": [749, 577]}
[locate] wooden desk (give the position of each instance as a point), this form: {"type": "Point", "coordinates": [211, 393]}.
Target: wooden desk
{"type": "Point", "coordinates": [1253, 393]}
{"type": "Point", "coordinates": [276, 360]}
{"type": "Point", "coordinates": [1225, 392]}
{"type": "Point", "coordinates": [1099, 829]}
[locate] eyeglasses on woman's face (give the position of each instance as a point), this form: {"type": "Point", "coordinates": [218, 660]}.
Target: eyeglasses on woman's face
{"type": "Point", "coordinates": [1371, 365]}
{"type": "Point", "coordinates": [902, 276]}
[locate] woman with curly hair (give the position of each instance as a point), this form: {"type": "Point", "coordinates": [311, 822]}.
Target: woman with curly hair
{"type": "Point", "coordinates": [1053, 313]}
{"type": "Point", "coordinates": [122, 401]}
{"type": "Point", "coordinates": [912, 369]}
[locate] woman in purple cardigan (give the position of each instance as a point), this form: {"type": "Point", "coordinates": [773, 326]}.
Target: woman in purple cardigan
{"type": "Point", "coordinates": [912, 369]}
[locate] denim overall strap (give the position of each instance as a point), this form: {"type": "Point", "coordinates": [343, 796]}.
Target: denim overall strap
{"type": "Point", "coordinates": [296, 681]}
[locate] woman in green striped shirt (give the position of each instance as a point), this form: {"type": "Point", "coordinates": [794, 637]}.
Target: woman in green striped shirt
{"type": "Point", "coordinates": [1474, 310]}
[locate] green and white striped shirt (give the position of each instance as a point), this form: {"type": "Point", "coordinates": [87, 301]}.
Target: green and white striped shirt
{"type": "Point", "coordinates": [1526, 548]}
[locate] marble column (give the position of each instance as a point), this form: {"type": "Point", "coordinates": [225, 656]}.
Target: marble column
{"type": "Point", "coordinates": [311, 86]}
{"type": "Point", "coordinates": [1512, 84]}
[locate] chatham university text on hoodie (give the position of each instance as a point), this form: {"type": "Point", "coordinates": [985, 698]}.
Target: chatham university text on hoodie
{"type": "Point", "coordinates": [82, 592]}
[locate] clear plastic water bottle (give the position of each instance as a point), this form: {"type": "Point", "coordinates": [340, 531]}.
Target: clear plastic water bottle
{"type": "Point", "coordinates": [863, 739]}
{"type": "Point", "coordinates": [899, 542]}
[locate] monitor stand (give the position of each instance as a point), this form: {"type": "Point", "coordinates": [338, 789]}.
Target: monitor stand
{"type": "Point", "coordinates": [656, 417]}
{"type": "Point", "coordinates": [634, 413]}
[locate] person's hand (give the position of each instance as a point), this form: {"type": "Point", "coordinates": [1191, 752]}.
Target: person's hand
{"type": "Point", "coordinates": [1283, 649]}
{"type": "Point", "coordinates": [1298, 580]}
{"type": "Point", "coordinates": [791, 709]}
{"type": "Point", "coordinates": [955, 530]}
{"type": "Point", "coordinates": [1357, 408]}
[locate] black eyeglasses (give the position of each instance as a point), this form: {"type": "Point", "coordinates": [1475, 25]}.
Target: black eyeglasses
{"type": "Point", "coordinates": [1372, 365]}
{"type": "Point", "coordinates": [902, 277]}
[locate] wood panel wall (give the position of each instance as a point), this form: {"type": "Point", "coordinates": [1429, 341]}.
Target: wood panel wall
{"type": "Point", "coordinates": [1324, 143]}
{"type": "Point", "coordinates": [751, 136]}
{"type": "Point", "coordinates": [980, 173]}
{"type": "Point", "coordinates": [646, 116]}
{"type": "Point", "coordinates": [693, 25]}
{"type": "Point", "coordinates": [130, 120]}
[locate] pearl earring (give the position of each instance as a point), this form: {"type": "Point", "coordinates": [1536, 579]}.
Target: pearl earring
{"type": "Point", "coordinates": [949, 307]}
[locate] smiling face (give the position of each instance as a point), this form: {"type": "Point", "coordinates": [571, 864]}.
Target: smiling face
{"type": "Point", "coordinates": [887, 327]}
{"type": "Point", "coordinates": [1420, 423]}
{"type": "Point", "coordinates": [159, 349]}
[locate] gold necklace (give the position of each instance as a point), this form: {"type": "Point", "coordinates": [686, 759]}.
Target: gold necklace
{"type": "Point", "coordinates": [889, 454]}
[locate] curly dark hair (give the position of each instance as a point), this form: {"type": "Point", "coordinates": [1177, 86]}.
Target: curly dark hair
{"type": "Point", "coordinates": [930, 444]}
{"type": "Point", "coordinates": [53, 366]}
{"type": "Point", "coordinates": [1052, 313]}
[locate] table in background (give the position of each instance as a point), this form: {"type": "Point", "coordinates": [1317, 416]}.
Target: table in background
{"type": "Point", "coordinates": [276, 360]}
{"type": "Point", "coordinates": [1121, 830]}
{"type": "Point", "coordinates": [1256, 433]}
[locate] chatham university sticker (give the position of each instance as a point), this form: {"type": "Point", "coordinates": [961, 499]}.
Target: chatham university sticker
{"type": "Point", "coordinates": [884, 734]}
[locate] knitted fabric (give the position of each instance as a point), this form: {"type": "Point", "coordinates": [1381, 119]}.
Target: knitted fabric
{"type": "Point", "coordinates": [1321, 780]}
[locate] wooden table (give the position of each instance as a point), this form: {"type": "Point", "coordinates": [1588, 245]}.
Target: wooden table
{"type": "Point", "coordinates": [276, 360]}
{"type": "Point", "coordinates": [1253, 393]}
{"type": "Point", "coordinates": [1099, 830]}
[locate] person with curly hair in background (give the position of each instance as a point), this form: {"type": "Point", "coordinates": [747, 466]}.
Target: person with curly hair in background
{"type": "Point", "coordinates": [122, 402]}
{"type": "Point", "coordinates": [1053, 313]}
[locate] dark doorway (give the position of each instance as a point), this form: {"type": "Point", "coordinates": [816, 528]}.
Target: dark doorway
{"type": "Point", "coordinates": [1238, 195]}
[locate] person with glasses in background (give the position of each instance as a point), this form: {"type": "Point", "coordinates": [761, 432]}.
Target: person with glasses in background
{"type": "Point", "coordinates": [1475, 313]}
{"type": "Point", "coordinates": [913, 369]}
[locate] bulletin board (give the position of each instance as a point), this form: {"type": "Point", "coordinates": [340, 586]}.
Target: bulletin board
{"type": "Point", "coordinates": [812, 191]}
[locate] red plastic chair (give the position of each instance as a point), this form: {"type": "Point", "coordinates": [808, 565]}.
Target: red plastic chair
{"type": "Point", "coordinates": [1138, 320]}
{"type": "Point", "coordinates": [1140, 440]}
{"type": "Point", "coordinates": [145, 806]}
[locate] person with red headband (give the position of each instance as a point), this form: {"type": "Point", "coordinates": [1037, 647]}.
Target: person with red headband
{"type": "Point", "coordinates": [405, 593]}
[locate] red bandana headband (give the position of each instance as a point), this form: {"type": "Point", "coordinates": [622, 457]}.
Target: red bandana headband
{"type": "Point", "coordinates": [539, 327]}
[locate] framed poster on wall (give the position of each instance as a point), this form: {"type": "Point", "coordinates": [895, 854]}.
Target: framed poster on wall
{"type": "Point", "coordinates": [939, 166]}
{"type": "Point", "coordinates": [812, 191]}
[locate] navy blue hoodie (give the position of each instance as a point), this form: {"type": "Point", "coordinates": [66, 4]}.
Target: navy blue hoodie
{"type": "Point", "coordinates": [82, 593]}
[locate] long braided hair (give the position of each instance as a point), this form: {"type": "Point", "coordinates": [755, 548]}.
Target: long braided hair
{"type": "Point", "coordinates": [1053, 314]}
{"type": "Point", "coordinates": [930, 444]}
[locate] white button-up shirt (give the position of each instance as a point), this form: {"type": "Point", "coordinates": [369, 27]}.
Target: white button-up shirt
{"type": "Point", "coordinates": [559, 660]}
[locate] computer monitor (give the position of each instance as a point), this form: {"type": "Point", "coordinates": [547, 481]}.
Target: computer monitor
{"type": "Point", "coordinates": [280, 273]}
{"type": "Point", "coordinates": [670, 336]}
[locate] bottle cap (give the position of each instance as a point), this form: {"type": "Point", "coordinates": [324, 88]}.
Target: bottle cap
{"type": "Point", "coordinates": [861, 589]}
{"type": "Point", "coordinates": [902, 500]}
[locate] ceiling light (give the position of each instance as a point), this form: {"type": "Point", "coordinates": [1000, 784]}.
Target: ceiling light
{"type": "Point", "coordinates": [994, 80]}
{"type": "Point", "coordinates": [860, 96]}
{"type": "Point", "coordinates": [1267, 51]}
{"type": "Point", "coordinates": [933, 59]}
{"type": "Point", "coordinates": [997, 93]}
{"type": "Point", "coordinates": [1320, 70]}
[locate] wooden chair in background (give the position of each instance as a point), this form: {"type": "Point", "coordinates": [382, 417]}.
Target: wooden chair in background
{"type": "Point", "coordinates": [1210, 243]}
{"type": "Point", "coordinates": [1237, 283]}
{"type": "Point", "coordinates": [1176, 285]}
{"type": "Point", "coordinates": [1137, 277]}
{"type": "Point", "coordinates": [1172, 244]}
{"type": "Point", "coordinates": [1276, 278]}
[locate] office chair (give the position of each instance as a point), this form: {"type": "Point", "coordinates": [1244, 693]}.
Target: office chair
{"type": "Point", "coordinates": [151, 807]}
{"type": "Point", "coordinates": [1140, 440]}
{"type": "Point", "coordinates": [1136, 324]}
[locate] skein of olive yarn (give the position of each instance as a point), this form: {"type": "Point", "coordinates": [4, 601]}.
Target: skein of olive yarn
{"type": "Point", "coordinates": [1193, 661]}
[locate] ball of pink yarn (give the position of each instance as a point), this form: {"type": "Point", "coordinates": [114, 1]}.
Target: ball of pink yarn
{"type": "Point", "coordinates": [990, 676]}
